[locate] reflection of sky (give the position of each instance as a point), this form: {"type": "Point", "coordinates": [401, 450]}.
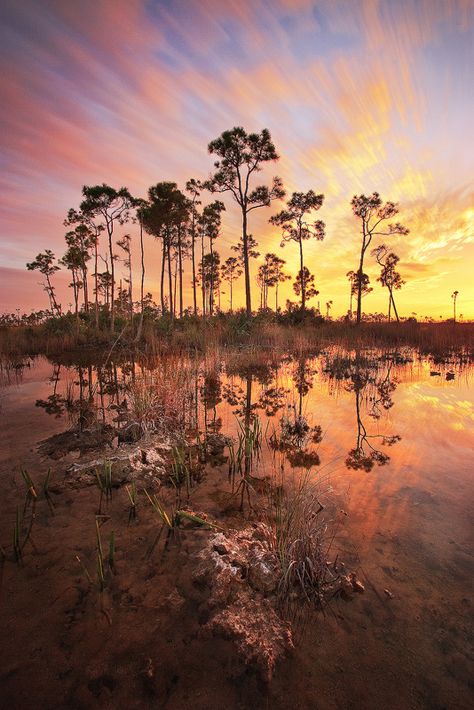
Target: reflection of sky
{"type": "Point", "coordinates": [358, 96]}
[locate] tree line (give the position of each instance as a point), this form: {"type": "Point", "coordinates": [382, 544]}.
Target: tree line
{"type": "Point", "coordinates": [187, 231]}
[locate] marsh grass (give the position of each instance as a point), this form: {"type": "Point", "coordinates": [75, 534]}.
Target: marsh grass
{"type": "Point", "coordinates": [172, 520]}
{"type": "Point", "coordinates": [242, 458]}
{"type": "Point", "coordinates": [30, 486]}
{"type": "Point", "coordinates": [104, 482]}
{"type": "Point", "coordinates": [300, 536]}
{"type": "Point", "coordinates": [133, 498]}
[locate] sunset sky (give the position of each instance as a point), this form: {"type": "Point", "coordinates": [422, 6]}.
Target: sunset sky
{"type": "Point", "coordinates": [359, 95]}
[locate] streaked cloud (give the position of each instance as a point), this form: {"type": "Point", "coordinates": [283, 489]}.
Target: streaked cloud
{"type": "Point", "coordinates": [361, 96]}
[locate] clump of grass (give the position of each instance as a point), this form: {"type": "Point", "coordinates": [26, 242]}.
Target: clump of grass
{"type": "Point", "coordinates": [173, 519]}
{"type": "Point", "coordinates": [133, 498]}
{"type": "Point", "coordinates": [30, 486]}
{"type": "Point", "coordinates": [241, 459]}
{"type": "Point", "coordinates": [104, 482]}
{"type": "Point", "coordinates": [105, 564]}
{"type": "Point", "coordinates": [20, 535]}
{"type": "Point", "coordinates": [298, 534]}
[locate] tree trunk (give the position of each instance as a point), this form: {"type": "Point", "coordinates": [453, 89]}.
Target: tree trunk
{"type": "Point", "coordinates": [112, 274]}
{"type": "Point", "coordinates": [359, 274]}
{"type": "Point", "coordinates": [303, 280]}
{"type": "Point", "coordinates": [170, 279]}
{"type": "Point", "coordinates": [96, 276]}
{"type": "Point", "coordinates": [248, 300]}
{"type": "Point", "coordinates": [193, 258]}
{"type": "Point", "coordinates": [211, 295]}
{"type": "Point", "coordinates": [162, 279]}
{"type": "Point", "coordinates": [394, 307]}
{"type": "Point", "coordinates": [203, 285]}
{"type": "Point", "coordinates": [142, 283]}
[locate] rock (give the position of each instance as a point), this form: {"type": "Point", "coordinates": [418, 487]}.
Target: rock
{"type": "Point", "coordinates": [215, 443]}
{"type": "Point", "coordinates": [357, 585]}
{"type": "Point", "coordinates": [264, 570]}
{"type": "Point", "coordinates": [221, 549]}
{"type": "Point", "coordinates": [240, 569]}
{"type": "Point", "coordinates": [262, 638]}
{"type": "Point", "coordinates": [84, 440]}
{"type": "Point", "coordinates": [347, 590]}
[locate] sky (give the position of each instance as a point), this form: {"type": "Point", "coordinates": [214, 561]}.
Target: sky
{"type": "Point", "coordinates": [359, 95]}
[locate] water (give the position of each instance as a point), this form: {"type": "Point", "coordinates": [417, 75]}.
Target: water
{"type": "Point", "coordinates": [392, 437]}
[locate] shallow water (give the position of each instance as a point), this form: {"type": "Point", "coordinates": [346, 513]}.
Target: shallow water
{"type": "Point", "coordinates": [393, 443]}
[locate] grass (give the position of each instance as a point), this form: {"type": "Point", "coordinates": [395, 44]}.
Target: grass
{"type": "Point", "coordinates": [173, 519]}
{"type": "Point", "coordinates": [267, 331]}
{"type": "Point", "coordinates": [104, 482]}
{"type": "Point", "coordinates": [133, 498]}
{"type": "Point", "coordinates": [299, 538]}
{"type": "Point", "coordinates": [30, 486]}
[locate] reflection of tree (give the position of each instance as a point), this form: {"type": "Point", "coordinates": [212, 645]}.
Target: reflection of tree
{"type": "Point", "coordinates": [211, 395]}
{"type": "Point", "coordinates": [378, 390]}
{"type": "Point", "coordinates": [303, 379]}
{"type": "Point", "coordinates": [296, 436]}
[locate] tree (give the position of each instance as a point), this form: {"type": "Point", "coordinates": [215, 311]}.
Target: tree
{"type": "Point", "coordinates": [354, 280]}
{"type": "Point", "coordinates": [270, 274]}
{"type": "Point", "coordinates": [328, 308]}
{"type": "Point", "coordinates": [454, 296]}
{"type": "Point", "coordinates": [78, 218]}
{"type": "Point", "coordinates": [209, 226]}
{"type": "Point", "coordinates": [140, 205]}
{"type": "Point", "coordinates": [241, 155]}
{"type": "Point", "coordinates": [160, 215]}
{"type": "Point", "coordinates": [44, 263]}
{"type": "Point", "coordinates": [194, 187]}
{"type": "Point", "coordinates": [209, 276]}
{"type": "Point", "coordinates": [72, 261]}
{"type": "Point", "coordinates": [389, 276]}
{"type": "Point", "coordinates": [126, 245]}
{"type": "Point", "coordinates": [80, 242]}
{"type": "Point", "coordinates": [372, 213]}
{"type": "Point", "coordinates": [231, 269]}
{"type": "Point", "coordinates": [111, 207]}
{"type": "Point", "coordinates": [304, 279]}
{"type": "Point", "coordinates": [295, 227]}
{"type": "Point", "coordinates": [276, 274]}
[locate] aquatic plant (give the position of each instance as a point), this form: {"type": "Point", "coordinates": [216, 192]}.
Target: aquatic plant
{"type": "Point", "coordinates": [104, 482]}
{"type": "Point", "coordinates": [133, 498]}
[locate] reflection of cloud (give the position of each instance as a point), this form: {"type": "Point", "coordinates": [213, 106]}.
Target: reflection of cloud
{"type": "Point", "coordinates": [131, 92]}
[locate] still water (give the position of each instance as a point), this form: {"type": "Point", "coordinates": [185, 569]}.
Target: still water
{"type": "Point", "coordinates": [391, 436]}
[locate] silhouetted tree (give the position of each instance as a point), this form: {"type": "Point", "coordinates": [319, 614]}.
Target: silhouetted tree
{"type": "Point", "coordinates": [44, 263]}
{"type": "Point", "coordinates": [209, 276]}
{"type": "Point", "coordinates": [111, 207]}
{"type": "Point", "coordinates": [126, 245]}
{"type": "Point", "coordinates": [194, 187]}
{"type": "Point", "coordinates": [295, 226]}
{"type": "Point", "coordinates": [354, 280]}
{"type": "Point", "coordinates": [209, 226]}
{"type": "Point", "coordinates": [230, 271]}
{"type": "Point", "coordinates": [241, 155]}
{"type": "Point", "coordinates": [80, 219]}
{"type": "Point", "coordinates": [372, 213]}
{"type": "Point", "coordinates": [454, 296]}
{"type": "Point", "coordinates": [159, 220]}
{"type": "Point", "coordinates": [140, 206]}
{"type": "Point", "coordinates": [304, 279]}
{"type": "Point", "coordinates": [328, 308]}
{"type": "Point", "coordinates": [81, 241]}
{"type": "Point", "coordinates": [389, 276]}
